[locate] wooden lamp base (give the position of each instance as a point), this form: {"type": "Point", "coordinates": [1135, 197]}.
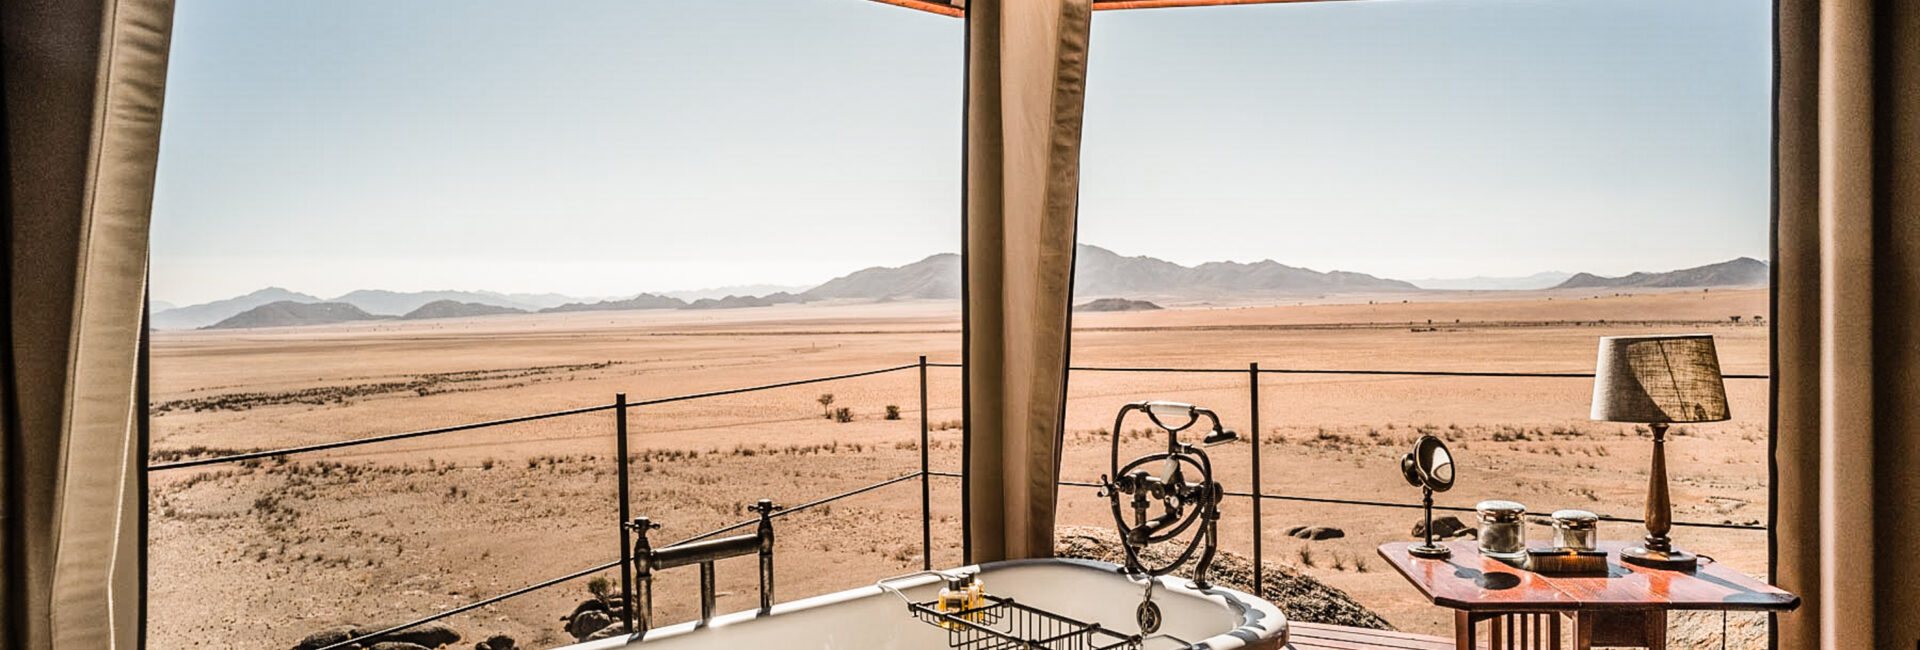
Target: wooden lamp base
{"type": "Point", "coordinates": [1658, 551]}
{"type": "Point", "coordinates": [1671, 559]}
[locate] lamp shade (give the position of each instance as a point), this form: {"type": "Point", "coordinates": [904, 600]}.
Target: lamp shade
{"type": "Point", "coordinates": [1667, 378]}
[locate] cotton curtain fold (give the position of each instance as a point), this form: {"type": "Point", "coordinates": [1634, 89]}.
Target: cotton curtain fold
{"type": "Point", "coordinates": [1847, 349]}
{"type": "Point", "coordinates": [83, 84]}
{"type": "Point", "coordinates": [1026, 83]}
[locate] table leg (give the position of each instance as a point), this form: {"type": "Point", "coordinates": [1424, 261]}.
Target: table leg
{"type": "Point", "coordinates": [1463, 631]}
{"type": "Point", "coordinates": [1636, 629]}
{"type": "Point", "coordinates": [1656, 622]}
{"type": "Point", "coordinates": [1583, 631]}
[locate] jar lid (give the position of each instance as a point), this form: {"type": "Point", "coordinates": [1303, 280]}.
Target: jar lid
{"type": "Point", "coordinates": [1498, 510]}
{"type": "Point", "coordinates": [1575, 519]}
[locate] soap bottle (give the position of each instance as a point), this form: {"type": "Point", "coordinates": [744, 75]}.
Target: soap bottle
{"type": "Point", "coordinates": [976, 600]}
{"type": "Point", "coordinates": [955, 598]}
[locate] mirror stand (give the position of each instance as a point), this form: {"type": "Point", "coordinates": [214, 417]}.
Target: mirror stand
{"type": "Point", "coordinates": [1429, 550]}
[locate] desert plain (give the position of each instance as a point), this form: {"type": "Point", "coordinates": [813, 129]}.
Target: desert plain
{"type": "Point", "coordinates": [258, 554]}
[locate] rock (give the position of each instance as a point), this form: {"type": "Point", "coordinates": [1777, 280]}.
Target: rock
{"type": "Point", "coordinates": [495, 642]}
{"type": "Point", "coordinates": [608, 632]}
{"type": "Point", "coordinates": [584, 624]}
{"type": "Point", "coordinates": [1316, 532]}
{"type": "Point", "coordinates": [1304, 598]}
{"type": "Point", "coordinates": [430, 635]}
{"type": "Point", "coordinates": [1446, 527]}
{"type": "Point", "coordinates": [398, 645]}
{"type": "Point", "coordinates": [328, 637]}
{"type": "Point", "coordinates": [588, 605]}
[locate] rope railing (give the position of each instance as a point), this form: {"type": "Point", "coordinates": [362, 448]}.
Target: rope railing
{"type": "Point", "coordinates": [924, 474]}
{"type": "Point", "coordinates": [234, 458]}
{"type": "Point", "coordinates": [1339, 371]}
{"type": "Point", "coordinates": [362, 641]}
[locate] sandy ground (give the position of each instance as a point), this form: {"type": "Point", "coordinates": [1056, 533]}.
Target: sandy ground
{"type": "Point", "coordinates": [258, 555]}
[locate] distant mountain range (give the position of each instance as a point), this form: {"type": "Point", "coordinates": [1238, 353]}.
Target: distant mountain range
{"type": "Point", "coordinates": [642, 301]}
{"type": "Point", "coordinates": [1741, 272]}
{"type": "Point", "coordinates": [205, 314]}
{"type": "Point", "coordinates": [288, 313]}
{"type": "Point", "coordinates": [456, 309]}
{"type": "Point", "coordinates": [1117, 304]}
{"type": "Point", "coordinates": [735, 291]}
{"type": "Point", "coordinates": [1098, 273]}
{"type": "Point", "coordinates": [1542, 280]}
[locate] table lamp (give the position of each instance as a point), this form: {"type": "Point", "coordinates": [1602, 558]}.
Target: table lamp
{"type": "Point", "coordinates": [1658, 380]}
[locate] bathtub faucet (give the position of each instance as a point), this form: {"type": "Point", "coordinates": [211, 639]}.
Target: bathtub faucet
{"type": "Point", "coordinates": [647, 559]}
{"type": "Point", "coordinates": [1163, 478]}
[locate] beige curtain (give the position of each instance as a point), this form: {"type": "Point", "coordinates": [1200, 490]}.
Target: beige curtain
{"type": "Point", "coordinates": [1847, 360]}
{"type": "Point", "coordinates": [83, 85]}
{"type": "Point", "coordinates": [1026, 81]}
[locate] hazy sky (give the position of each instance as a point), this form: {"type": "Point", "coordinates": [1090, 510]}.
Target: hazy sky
{"type": "Point", "coordinates": [607, 148]}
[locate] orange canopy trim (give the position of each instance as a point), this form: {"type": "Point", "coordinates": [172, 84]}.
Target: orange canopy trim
{"type": "Point", "coordinates": [957, 8]}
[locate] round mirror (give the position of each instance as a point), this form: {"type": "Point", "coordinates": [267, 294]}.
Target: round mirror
{"type": "Point", "coordinates": [1433, 463]}
{"type": "Point", "coordinates": [1410, 470]}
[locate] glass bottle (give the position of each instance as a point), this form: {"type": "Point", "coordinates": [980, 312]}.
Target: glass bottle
{"type": "Point", "coordinates": [1502, 533]}
{"type": "Point", "coordinates": [955, 598]}
{"type": "Point", "coordinates": [1575, 529]}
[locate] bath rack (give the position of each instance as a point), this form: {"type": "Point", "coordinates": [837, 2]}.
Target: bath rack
{"type": "Point", "coordinates": [1002, 624]}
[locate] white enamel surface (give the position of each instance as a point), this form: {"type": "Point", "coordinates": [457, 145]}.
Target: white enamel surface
{"type": "Point", "coordinates": [870, 618]}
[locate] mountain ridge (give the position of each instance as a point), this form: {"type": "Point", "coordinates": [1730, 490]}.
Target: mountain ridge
{"type": "Point", "coordinates": [1741, 271]}
{"type": "Point", "coordinates": [1098, 273]}
{"type": "Point", "coordinates": [289, 313]}
{"type": "Point", "coordinates": [456, 309]}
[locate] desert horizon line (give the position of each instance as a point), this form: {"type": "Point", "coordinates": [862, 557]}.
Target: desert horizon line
{"type": "Point", "coordinates": [770, 287]}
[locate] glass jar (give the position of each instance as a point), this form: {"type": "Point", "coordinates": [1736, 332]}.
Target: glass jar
{"type": "Point", "coordinates": [1575, 529]}
{"type": "Point", "coordinates": [1502, 534]}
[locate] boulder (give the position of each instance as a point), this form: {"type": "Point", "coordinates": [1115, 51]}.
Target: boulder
{"type": "Point", "coordinates": [584, 624]}
{"type": "Point", "coordinates": [1447, 527]}
{"type": "Point", "coordinates": [328, 637]}
{"type": "Point", "coordinates": [608, 632]}
{"type": "Point", "coordinates": [495, 642]}
{"type": "Point", "coordinates": [1316, 532]}
{"type": "Point", "coordinates": [431, 635]}
{"type": "Point", "coordinates": [588, 605]}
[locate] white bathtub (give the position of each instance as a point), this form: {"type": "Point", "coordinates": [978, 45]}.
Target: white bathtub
{"type": "Point", "coordinates": [872, 618]}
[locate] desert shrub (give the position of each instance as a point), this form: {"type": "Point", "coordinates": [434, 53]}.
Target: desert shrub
{"type": "Point", "coordinates": [600, 587]}
{"type": "Point", "coordinates": [1306, 555]}
{"type": "Point", "coordinates": [826, 405]}
{"type": "Point", "coordinates": [893, 412]}
{"type": "Point", "coordinates": [843, 414]}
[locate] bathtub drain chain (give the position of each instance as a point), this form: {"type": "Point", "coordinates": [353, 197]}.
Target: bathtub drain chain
{"type": "Point", "coordinates": [1147, 615]}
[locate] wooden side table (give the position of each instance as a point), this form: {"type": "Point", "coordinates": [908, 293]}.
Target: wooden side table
{"type": "Point", "coordinates": [1626, 607]}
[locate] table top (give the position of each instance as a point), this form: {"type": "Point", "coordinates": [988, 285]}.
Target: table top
{"type": "Point", "coordinates": [1474, 582]}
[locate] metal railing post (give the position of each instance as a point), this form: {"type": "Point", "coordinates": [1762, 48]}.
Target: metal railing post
{"type": "Point", "coordinates": [1253, 440]}
{"type": "Point", "coordinates": [626, 509]}
{"type": "Point", "coordinates": [926, 490]}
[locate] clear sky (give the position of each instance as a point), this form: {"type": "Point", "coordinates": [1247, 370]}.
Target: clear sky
{"type": "Point", "coordinates": [608, 148]}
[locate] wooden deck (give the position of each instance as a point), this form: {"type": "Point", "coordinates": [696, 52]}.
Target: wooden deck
{"type": "Point", "coordinates": [1315, 636]}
